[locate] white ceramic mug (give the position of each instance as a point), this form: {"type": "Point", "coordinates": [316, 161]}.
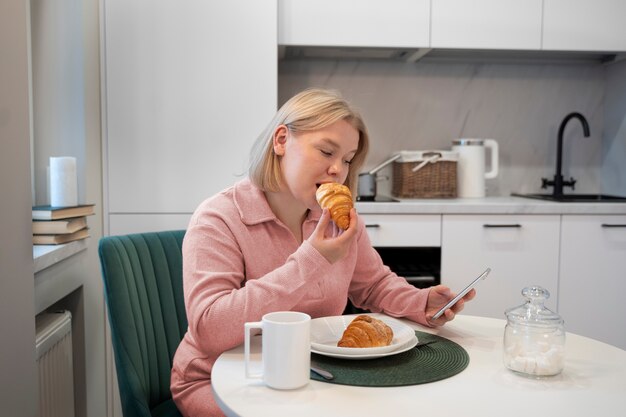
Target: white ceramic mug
{"type": "Point", "coordinates": [286, 350]}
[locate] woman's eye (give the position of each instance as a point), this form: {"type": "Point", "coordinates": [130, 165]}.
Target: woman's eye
{"type": "Point", "coordinates": [347, 162]}
{"type": "Point", "coordinates": [326, 153]}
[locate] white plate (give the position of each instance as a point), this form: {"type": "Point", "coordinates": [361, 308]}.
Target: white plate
{"type": "Point", "coordinates": [407, 346]}
{"type": "Point", "coordinates": [326, 332]}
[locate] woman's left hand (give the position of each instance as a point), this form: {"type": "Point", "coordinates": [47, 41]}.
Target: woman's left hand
{"type": "Point", "coordinates": [438, 297]}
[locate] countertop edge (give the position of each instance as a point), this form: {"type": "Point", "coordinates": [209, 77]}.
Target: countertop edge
{"type": "Point", "coordinates": [487, 205]}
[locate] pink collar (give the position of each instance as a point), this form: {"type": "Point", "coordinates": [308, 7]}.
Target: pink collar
{"type": "Point", "coordinates": [253, 206]}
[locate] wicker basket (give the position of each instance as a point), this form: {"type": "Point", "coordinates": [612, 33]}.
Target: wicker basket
{"type": "Point", "coordinates": [435, 177]}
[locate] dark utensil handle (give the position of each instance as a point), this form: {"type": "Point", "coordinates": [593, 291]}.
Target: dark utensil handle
{"type": "Point", "coordinates": [606, 225]}
{"type": "Point", "coordinates": [372, 225]}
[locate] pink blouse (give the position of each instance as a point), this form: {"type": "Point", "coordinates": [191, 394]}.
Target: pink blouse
{"type": "Point", "coordinates": [240, 262]}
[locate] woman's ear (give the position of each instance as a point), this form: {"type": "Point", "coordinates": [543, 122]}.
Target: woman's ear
{"type": "Point", "coordinates": [279, 139]}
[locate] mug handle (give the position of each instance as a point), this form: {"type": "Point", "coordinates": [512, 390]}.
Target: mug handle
{"type": "Point", "coordinates": [493, 148]}
{"type": "Point", "coordinates": [247, 328]}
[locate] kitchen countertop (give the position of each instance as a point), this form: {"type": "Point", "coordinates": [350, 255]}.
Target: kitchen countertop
{"type": "Point", "coordinates": [487, 205]}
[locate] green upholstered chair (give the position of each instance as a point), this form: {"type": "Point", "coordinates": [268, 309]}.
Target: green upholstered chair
{"type": "Point", "coordinates": [143, 287]}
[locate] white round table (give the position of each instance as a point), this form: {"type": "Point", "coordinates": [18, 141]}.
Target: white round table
{"type": "Point", "coordinates": [593, 383]}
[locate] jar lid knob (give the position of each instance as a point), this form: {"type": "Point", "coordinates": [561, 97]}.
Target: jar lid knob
{"type": "Point", "coordinates": [536, 295]}
{"type": "Point", "coordinates": [534, 309]}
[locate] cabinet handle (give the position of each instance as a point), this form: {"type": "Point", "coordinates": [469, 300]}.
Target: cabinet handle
{"type": "Point", "coordinates": [372, 225]}
{"type": "Point", "coordinates": [613, 225]}
{"type": "Point", "coordinates": [494, 226]}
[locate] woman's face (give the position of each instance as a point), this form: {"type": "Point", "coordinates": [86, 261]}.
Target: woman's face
{"type": "Point", "coordinates": [315, 157]}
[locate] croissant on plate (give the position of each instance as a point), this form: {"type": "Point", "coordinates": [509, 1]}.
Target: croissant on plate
{"type": "Point", "coordinates": [337, 199]}
{"type": "Point", "coordinates": [366, 331]}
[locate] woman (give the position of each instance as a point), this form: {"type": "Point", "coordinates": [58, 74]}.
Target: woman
{"type": "Point", "coordinates": [265, 245]}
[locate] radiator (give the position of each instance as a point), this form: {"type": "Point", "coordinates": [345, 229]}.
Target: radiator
{"type": "Point", "coordinates": [54, 362]}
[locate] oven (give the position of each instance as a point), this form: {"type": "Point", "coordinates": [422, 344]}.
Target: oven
{"type": "Point", "coordinates": [420, 266]}
{"type": "Point", "coordinates": [409, 244]}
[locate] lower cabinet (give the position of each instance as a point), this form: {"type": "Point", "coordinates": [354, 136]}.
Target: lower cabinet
{"type": "Point", "coordinates": [521, 250]}
{"type": "Point", "coordinates": [579, 259]}
{"type": "Point", "coordinates": [593, 277]}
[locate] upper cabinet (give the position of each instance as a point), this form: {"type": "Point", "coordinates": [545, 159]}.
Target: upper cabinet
{"type": "Point", "coordinates": [371, 23]}
{"type": "Point", "coordinates": [584, 25]}
{"type": "Point", "coordinates": [532, 25]}
{"type": "Point", "coordinates": [486, 24]}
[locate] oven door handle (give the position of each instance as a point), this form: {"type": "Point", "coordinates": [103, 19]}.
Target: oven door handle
{"type": "Point", "coordinates": [428, 279]}
{"type": "Point", "coordinates": [373, 226]}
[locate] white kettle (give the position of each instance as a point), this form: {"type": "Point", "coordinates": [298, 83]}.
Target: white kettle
{"type": "Point", "coordinates": [471, 171]}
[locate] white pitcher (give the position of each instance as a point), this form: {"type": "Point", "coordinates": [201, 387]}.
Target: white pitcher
{"type": "Point", "coordinates": [471, 169]}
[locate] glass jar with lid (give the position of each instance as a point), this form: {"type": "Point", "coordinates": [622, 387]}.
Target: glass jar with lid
{"type": "Point", "coordinates": [534, 337]}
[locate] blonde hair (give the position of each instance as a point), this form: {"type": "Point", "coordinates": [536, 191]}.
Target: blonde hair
{"type": "Point", "coordinates": [308, 110]}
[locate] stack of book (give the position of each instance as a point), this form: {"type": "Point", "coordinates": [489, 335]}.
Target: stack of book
{"type": "Point", "coordinates": [57, 225]}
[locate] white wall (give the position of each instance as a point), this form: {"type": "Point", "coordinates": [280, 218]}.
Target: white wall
{"type": "Point", "coordinates": [58, 87]}
{"type": "Point", "coordinates": [614, 151]}
{"type": "Point", "coordinates": [17, 320]}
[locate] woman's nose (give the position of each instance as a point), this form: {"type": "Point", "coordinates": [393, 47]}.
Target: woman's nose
{"type": "Point", "coordinates": [333, 169]}
{"type": "Point", "coordinates": [336, 168]}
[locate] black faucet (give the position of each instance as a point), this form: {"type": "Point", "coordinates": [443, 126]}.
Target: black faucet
{"type": "Point", "coordinates": [558, 183]}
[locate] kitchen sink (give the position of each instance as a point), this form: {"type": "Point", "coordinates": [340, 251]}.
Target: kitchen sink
{"type": "Point", "coordinates": [575, 198]}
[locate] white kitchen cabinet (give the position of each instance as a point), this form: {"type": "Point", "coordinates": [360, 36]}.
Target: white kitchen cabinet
{"type": "Point", "coordinates": [366, 23]}
{"type": "Point", "coordinates": [403, 230]}
{"type": "Point", "coordinates": [522, 251]}
{"type": "Point", "coordinates": [189, 85]}
{"type": "Point", "coordinates": [486, 24]}
{"type": "Point", "coordinates": [593, 277]}
{"type": "Point", "coordinates": [584, 25]}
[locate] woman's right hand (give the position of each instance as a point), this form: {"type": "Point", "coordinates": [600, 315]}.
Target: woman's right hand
{"type": "Point", "coordinates": [333, 248]}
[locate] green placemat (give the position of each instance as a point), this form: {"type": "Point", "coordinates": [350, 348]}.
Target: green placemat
{"type": "Point", "coordinates": [419, 365]}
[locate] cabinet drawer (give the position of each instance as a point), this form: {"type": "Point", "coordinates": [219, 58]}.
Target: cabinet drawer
{"type": "Point", "coordinates": [403, 230]}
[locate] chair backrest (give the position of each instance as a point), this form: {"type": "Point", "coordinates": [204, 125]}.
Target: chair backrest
{"type": "Point", "coordinates": [143, 287]}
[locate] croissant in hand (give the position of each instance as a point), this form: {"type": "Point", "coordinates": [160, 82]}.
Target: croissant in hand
{"type": "Point", "coordinates": [364, 332]}
{"type": "Point", "coordinates": [337, 199]}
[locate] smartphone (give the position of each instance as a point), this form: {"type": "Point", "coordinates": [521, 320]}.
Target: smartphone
{"type": "Point", "coordinates": [462, 293]}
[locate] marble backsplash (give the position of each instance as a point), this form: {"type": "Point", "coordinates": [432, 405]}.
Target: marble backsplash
{"type": "Point", "coordinates": [425, 105]}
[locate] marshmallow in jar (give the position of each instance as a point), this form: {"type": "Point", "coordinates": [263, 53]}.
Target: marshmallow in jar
{"type": "Point", "coordinates": [534, 337]}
